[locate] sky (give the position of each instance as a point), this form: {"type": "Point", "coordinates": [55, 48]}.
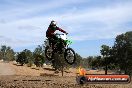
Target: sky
{"type": "Point", "coordinates": [90, 23]}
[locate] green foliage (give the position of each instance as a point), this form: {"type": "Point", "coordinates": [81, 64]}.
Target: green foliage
{"type": "Point", "coordinates": [1, 56]}
{"type": "Point", "coordinates": [119, 56]}
{"type": "Point", "coordinates": [86, 62]}
{"type": "Point", "coordinates": [25, 57]}
{"type": "Point", "coordinates": [97, 62]}
{"type": "Point", "coordinates": [59, 63]}
{"type": "Point", "coordinates": [105, 51]}
{"type": "Point", "coordinates": [39, 50]}
{"type": "Point", "coordinates": [21, 58]}
{"type": "Point", "coordinates": [38, 55]}
{"type": "Point", "coordinates": [78, 60]}
{"type": "Point", "coordinates": [38, 60]}
{"type": "Point", "coordinates": [123, 52]}
{"type": "Point", "coordinates": [6, 53]}
{"type": "Point", "coordinates": [29, 57]}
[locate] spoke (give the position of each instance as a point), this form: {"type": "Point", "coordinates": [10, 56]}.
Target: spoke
{"type": "Point", "coordinates": [49, 53]}
{"type": "Point", "coordinates": [70, 56]}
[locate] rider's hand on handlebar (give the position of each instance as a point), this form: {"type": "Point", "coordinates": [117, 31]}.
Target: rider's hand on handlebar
{"type": "Point", "coordinates": [57, 34]}
{"type": "Point", "coordinates": [66, 33]}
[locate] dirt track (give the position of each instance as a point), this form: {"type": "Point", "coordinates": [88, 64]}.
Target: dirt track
{"type": "Point", "coordinates": [13, 79]}
{"type": "Point", "coordinates": [50, 82]}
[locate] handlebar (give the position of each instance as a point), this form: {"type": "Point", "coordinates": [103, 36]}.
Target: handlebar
{"type": "Point", "coordinates": [60, 34]}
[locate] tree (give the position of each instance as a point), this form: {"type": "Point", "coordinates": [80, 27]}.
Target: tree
{"type": "Point", "coordinates": [1, 55]}
{"type": "Point", "coordinates": [29, 57]}
{"type": "Point", "coordinates": [7, 54]}
{"type": "Point", "coordinates": [39, 50]}
{"type": "Point", "coordinates": [123, 47]}
{"type": "Point", "coordinates": [90, 61]}
{"type": "Point", "coordinates": [59, 63]}
{"type": "Point", "coordinates": [78, 60]}
{"type": "Point", "coordinates": [3, 50]}
{"type": "Point", "coordinates": [39, 60]}
{"type": "Point", "coordinates": [39, 55]}
{"type": "Point", "coordinates": [105, 51]}
{"type": "Point", "coordinates": [96, 62]}
{"type": "Point", "coordinates": [21, 58]}
{"type": "Point", "coordinates": [10, 54]}
{"type": "Point", "coordinates": [87, 62]}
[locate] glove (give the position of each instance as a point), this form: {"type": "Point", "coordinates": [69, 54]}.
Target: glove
{"type": "Point", "coordinates": [66, 33]}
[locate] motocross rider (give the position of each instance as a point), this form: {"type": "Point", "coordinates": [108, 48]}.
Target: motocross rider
{"type": "Point", "coordinates": [50, 32]}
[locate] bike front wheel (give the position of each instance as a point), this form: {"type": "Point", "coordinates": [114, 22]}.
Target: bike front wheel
{"type": "Point", "coordinates": [70, 56]}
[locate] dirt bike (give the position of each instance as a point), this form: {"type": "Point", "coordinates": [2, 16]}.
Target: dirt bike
{"type": "Point", "coordinates": [61, 46]}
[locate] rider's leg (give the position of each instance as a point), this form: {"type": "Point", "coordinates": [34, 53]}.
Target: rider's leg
{"type": "Point", "coordinates": [54, 41]}
{"type": "Point", "coordinates": [49, 40]}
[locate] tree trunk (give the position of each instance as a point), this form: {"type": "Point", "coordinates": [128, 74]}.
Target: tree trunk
{"type": "Point", "coordinates": [125, 64]}
{"type": "Point", "coordinates": [105, 66]}
{"type": "Point", "coordinates": [62, 70]}
{"type": "Point", "coordinates": [106, 70]}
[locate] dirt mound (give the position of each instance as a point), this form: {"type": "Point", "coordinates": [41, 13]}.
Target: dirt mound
{"type": "Point", "coordinates": [5, 69]}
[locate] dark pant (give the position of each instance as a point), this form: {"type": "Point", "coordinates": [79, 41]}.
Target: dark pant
{"type": "Point", "coordinates": [52, 40]}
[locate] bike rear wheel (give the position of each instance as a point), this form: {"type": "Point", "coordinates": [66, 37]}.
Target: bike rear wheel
{"type": "Point", "coordinates": [70, 56]}
{"type": "Point", "coordinates": [48, 53]}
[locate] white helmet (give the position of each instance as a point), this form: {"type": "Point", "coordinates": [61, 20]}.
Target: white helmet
{"type": "Point", "coordinates": [53, 23]}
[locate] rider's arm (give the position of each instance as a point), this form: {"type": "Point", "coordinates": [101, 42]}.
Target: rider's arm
{"type": "Point", "coordinates": [61, 30]}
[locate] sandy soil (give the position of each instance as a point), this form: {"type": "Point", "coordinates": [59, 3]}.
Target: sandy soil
{"type": "Point", "coordinates": [50, 82]}
{"type": "Point", "coordinates": [12, 68]}
{"type": "Point", "coordinates": [5, 69]}
{"type": "Point", "coordinates": [12, 76]}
